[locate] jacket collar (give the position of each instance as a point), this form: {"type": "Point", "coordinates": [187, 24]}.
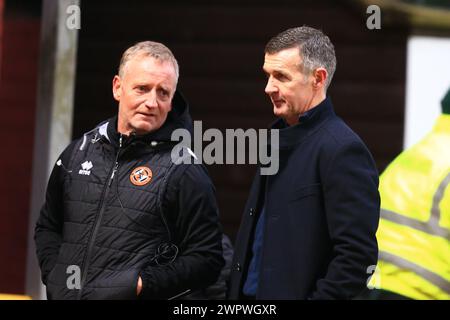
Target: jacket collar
{"type": "Point", "coordinates": [308, 124]}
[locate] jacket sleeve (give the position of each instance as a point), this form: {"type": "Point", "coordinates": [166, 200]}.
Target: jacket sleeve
{"type": "Point", "coordinates": [191, 206]}
{"type": "Point", "coordinates": [48, 229]}
{"type": "Point", "coordinates": [352, 206]}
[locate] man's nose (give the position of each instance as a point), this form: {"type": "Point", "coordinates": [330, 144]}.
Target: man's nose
{"type": "Point", "coordinates": [270, 88]}
{"type": "Point", "coordinates": [151, 101]}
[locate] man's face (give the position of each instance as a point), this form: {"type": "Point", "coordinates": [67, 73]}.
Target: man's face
{"type": "Point", "coordinates": [144, 93]}
{"type": "Point", "coordinates": [290, 91]}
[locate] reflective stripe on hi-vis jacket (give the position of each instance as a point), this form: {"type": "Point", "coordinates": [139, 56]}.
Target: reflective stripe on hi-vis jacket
{"type": "Point", "coordinates": [414, 231]}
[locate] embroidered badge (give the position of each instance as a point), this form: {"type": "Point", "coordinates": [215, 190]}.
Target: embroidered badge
{"type": "Point", "coordinates": [140, 176]}
{"type": "Point", "coordinates": [86, 168]}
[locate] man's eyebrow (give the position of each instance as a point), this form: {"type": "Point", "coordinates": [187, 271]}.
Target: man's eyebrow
{"type": "Point", "coordinates": [268, 72]}
{"type": "Point", "coordinates": [165, 87]}
{"type": "Point", "coordinates": [274, 71]}
{"type": "Point", "coordinates": [280, 73]}
{"type": "Point", "coordinates": [140, 84]}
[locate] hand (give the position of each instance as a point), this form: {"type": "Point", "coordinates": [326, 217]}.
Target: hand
{"type": "Point", "coordinates": [139, 286]}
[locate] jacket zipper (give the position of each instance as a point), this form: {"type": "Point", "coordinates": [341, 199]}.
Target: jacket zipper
{"type": "Point", "coordinates": [98, 219]}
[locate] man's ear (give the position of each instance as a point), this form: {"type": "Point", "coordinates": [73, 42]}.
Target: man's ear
{"type": "Point", "coordinates": [116, 87]}
{"type": "Point", "coordinates": [320, 77]}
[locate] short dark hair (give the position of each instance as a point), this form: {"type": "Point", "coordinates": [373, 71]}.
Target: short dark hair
{"type": "Point", "coordinates": [315, 49]}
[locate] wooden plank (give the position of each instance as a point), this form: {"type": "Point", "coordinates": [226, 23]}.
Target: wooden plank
{"type": "Point", "coordinates": [377, 62]}
{"type": "Point", "coordinates": [222, 21]}
{"type": "Point", "coordinates": [16, 127]}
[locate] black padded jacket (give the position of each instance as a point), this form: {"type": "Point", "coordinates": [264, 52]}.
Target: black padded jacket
{"type": "Point", "coordinates": [118, 207]}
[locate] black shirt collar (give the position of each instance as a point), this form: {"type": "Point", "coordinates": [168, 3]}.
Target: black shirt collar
{"type": "Point", "coordinates": [308, 122]}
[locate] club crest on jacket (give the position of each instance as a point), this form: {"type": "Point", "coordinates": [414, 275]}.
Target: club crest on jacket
{"type": "Point", "coordinates": [140, 176]}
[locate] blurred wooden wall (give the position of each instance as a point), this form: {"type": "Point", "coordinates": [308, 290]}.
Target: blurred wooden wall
{"type": "Point", "coordinates": [18, 84]}
{"type": "Point", "coordinates": [219, 46]}
{"type": "Point", "coordinates": [2, 4]}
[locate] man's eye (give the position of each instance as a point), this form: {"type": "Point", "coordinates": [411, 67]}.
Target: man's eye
{"type": "Point", "coordinates": [281, 77]}
{"type": "Point", "coordinates": [141, 88]}
{"type": "Point", "coordinates": [163, 93]}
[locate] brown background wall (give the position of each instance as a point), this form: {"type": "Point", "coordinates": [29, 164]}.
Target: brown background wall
{"type": "Point", "coordinates": [2, 4]}
{"type": "Point", "coordinates": [20, 49]}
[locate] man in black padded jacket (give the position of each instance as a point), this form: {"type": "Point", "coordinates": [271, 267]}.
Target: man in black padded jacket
{"type": "Point", "coordinates": [121, 219]}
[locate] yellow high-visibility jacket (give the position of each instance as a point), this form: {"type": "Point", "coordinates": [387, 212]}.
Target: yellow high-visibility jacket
{"type": "Point", "coordinates": [414, 230]}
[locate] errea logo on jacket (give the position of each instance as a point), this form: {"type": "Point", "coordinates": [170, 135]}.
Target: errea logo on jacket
{"type": "Point", "coordinates": [86, 168]}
